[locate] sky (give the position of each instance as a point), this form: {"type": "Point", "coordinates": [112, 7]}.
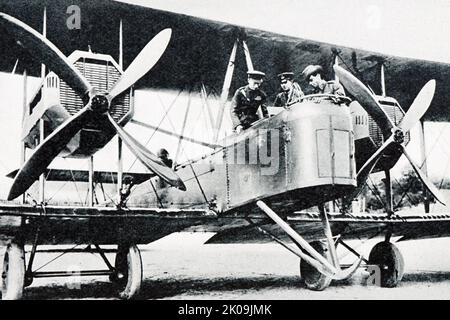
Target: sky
{"type": "Point", "coordinates": [410, 29]}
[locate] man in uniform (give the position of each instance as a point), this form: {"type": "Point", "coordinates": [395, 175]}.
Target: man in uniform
{"type": "Point", "coordinates": [163, 154]}
{"type": "Point", "coordinates": [246, 102]}
{"type": "Point", "coordinates": [314, 76]}
{"type": "Point", "coordinates": [125, 190]}
{"type": "Point", "coordinates": [291, 91]}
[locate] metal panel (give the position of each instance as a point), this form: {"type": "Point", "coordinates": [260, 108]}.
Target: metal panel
{"type": "Point", "coordinates": [342, 158]}
{"type": "Point", "coordinates": [323, 158]}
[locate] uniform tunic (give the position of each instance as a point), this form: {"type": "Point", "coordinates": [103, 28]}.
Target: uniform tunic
{"type": "Point", "coordinates": [245, 104]}
{"type": "Point", "coordinates": [285, 98]}
{"type": "Point", "coordinates": [332, 87]}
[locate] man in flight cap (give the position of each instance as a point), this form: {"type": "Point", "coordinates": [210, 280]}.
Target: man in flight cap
{"type": "Point", "coordinates": [291, 91]}
{"type": "Point", "coordinates": [246, 102]}
{"type": "Point", "coordinates": [314, 76]}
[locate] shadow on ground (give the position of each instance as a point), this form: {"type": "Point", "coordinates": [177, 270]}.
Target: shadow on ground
{"type": "Point", "coordinates": [170, 288]}
{"type": "Point", "coordinates": [163, 288]}
{"type": "Point", "coordinates": [428, 276]}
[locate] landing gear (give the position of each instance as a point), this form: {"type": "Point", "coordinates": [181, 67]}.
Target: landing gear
{"type": "Point", "coordinates": [385, 255]}
{"type": "Point", "coordinates": [388, 258]}
{"type": "Point", "coordinates": [126, 274]}
{"type": "Point", "coordinates": [320, 263]}
{"type": "Point", "coordinates": [128, 271]}
{"type": "Point", "coordinates": [315, 280]}
{"type": "Point", "coordinates": [13, 274]}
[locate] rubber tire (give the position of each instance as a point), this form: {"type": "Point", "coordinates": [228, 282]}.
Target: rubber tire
{"type": "Point", "coordinates": [128, 264]}
{"type": "Point", "coordinates": [313, 279]}
{"type": "Point", "coordinates": [390, 261]}
{"type": "Point", "coordinates": [13, 273]}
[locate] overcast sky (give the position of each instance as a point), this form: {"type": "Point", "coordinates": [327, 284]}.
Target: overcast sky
{"type": "Point", "coordinates": [412, 29]}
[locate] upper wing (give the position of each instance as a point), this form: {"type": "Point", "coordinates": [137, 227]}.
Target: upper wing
{"type": "Point", "coordinates": [199, 51]}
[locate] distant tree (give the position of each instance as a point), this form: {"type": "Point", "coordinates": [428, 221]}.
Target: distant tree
{"type": "Point", "coordinates": [407, 191]}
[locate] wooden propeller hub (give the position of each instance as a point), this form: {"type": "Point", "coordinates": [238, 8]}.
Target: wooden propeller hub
{"type": "Point", "coordinates": [399, 136]}
{"type": "Point", "coordinates": [100, 104]}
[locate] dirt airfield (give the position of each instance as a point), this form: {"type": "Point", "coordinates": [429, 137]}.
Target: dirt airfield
{"type": "Point", "coordinates": [180, 267]}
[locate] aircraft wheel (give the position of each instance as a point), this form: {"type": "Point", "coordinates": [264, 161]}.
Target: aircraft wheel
{"type": "Point", "coordinates": [128, 275]}
{"type": "Point", "coordinates": [314, 280]}
{"type": "Point", "coordinates": [390, 261]}
{"type": "Point", "coordinates": [13, 274]}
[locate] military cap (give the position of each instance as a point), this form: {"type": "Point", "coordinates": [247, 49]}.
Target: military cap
{"type": "Point", "coordinates": [257, 75]}
{"type": "Point", "coordinates": [311, 70]}
{"type": "Point", "coordinates": [286, 76]}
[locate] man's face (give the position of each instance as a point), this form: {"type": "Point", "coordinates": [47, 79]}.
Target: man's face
{"type": "Point", "coordinates": [164, 156]}
{"type": "Point", "coordinates": [315, 80]}
{"type": "Point", "coordinates": [126, 186]}
{"type": "Point", "coordinates": [286, 85]}
{"type": "Point", "coordinates": [254, 84]}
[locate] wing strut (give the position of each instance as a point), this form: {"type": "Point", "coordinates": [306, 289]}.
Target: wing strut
{"type": "Point", "coordinates": [183, 127]}
{"type": "Point", "coordinates": [225, 91]}
{"type": "Point", "coordinates": [423, 161]}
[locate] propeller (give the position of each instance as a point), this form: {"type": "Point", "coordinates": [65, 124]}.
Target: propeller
{"type": "Point", "coordinates": [365, 97]}
{"type": "Point", "coordinates": [145, 60]}
{"type": "Point", "coordinates": [151, 161]}
{"type": "Point", "coordinates": [394, 135]}
{"type": "Point", "coordinates": [46, 152]}
{"type": "Point", "coordinates": [98, 104]}
{"type": "Point", "coordinates": [46, 52]}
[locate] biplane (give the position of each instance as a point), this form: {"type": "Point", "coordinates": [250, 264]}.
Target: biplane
{"type": "Point", "coordinates": [251, 187]}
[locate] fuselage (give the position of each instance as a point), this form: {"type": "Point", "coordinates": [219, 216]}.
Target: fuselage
{"type": "Point", "coordinates": [301, 157]}
{"type": "Point", "coordinates": [296, 159]}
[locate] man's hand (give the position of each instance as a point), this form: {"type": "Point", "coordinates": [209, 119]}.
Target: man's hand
{"type": "Point", "coordinates": [238, 129]}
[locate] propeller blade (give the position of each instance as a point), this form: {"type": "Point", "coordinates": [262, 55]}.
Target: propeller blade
{"type": "Point", "coordinates": [365, 171]}
{"type": "Point", "coordinates": [145, 60]}
{"type": "Point", "coordinates": [365, 98]}
{"type": "Point", "coordinates": [46, 152]}
{"type": "Point", "coordinates": [419, 106]}
{"type": "Point", "coordinates": [425, 180]}
{"type": "Point", "coordinates": [41, 49]}
{"type": "Point", "coordinates": [148, 159]}
{"type": "Point", "coordinates": [372, 161]}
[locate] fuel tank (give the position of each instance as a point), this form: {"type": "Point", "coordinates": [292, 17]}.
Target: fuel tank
{"type": "Point", "coordinates": [296, 159]}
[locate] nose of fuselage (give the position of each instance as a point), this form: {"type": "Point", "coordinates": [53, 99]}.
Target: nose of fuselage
{"type": "Point", "coordinates": [321, 147]}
